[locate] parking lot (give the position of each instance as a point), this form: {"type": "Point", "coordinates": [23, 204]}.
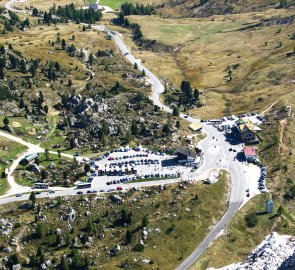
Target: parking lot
{"type": "Point", "coordinates": [138, 164]}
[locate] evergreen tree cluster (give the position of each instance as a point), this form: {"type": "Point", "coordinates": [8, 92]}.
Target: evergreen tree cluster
{"type": "Point", "coordinates": [188, 96]}
{"type": "Point", "coordinates": [14, 21]}
{"type": "Point", "coordinates": [13, 60]}
{"type": "Point", "coordinates": [130, 9]}
{"type": "Point", "coordinates": [70, 12]}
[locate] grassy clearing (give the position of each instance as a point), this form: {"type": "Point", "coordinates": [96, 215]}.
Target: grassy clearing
{"type": "Point", "coordinates": [116, 4]}
{"type": "Point", "coordinates": [9, 150]}
{"type": "Point", "coordinates": [4, 186]}
{"type": "Point", "coordinates": [203, 50]}
{"type": "Point", "coordinates": [45, 5]}
{"type": "Point", "coordinates": [91, 1]}
{"type": "Point", "coordinates": [173, 220]}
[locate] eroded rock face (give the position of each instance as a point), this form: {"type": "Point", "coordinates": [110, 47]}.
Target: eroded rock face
{"type": "Point", "coordinates": [275, 252]}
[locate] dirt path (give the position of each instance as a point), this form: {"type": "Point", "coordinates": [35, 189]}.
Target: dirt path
{"type": "Point", "coordinates": [18, 246]}
{"type": "Point", "coordinates": [282, 147]}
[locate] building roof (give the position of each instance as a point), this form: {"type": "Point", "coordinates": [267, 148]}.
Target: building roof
{"type": "Point", "coordinates": [250, 151]}
{"type": "Point", "coordinates": [186, 152]}
{"type": "Point", "coordinates": [195, 127]}
{"type": "Point", "coordinates": [244, 124]}
{"type": "Point", "coordinates": [30, 157]}
{"type": "Point", "coordinates": [269, 202]}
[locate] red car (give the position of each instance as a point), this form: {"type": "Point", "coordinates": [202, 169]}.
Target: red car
{"type": "Point", "coordinates": [119, 188]}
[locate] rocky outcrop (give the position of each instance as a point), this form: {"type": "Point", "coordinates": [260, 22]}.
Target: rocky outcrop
{"type": "Point", "coordinates": [275, 252]}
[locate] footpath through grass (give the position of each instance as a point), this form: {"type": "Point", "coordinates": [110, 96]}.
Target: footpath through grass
{"type": "Point", "coordinates": [9, 150]}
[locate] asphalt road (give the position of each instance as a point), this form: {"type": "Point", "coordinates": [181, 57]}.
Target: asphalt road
{"type": "Point", "coordinates": [233, 166]}
{"type": "Point", "coordinates": [216, 154]}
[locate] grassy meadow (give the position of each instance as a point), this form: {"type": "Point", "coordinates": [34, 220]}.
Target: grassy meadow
{"type": "Point", "coordinates": [204, 50]}
{"type": "Point", "coordinates": [9, 150]}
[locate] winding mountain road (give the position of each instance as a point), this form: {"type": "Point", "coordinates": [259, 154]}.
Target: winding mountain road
{"type": "Point", "coordinates": [232, 165]}
{"type": "Point", "coordinates": [214, 141]}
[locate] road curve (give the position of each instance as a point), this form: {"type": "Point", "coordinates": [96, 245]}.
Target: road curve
{"type": "Point", "coordinates": [237, 177]}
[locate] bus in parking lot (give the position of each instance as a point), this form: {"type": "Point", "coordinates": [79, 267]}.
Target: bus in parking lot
{"type": "Point", "coordinates": [83, 185]}
{"type": "Point", "coordinates": [41, 185]}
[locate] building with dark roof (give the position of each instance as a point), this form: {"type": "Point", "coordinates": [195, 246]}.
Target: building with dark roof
{"type": "Point", "coordinates": [246, 131]}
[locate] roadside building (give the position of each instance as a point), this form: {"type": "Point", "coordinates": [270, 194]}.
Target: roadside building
{"type": "Point", "coordinates": [184, 154]}
{"type": "Point", "coordinates": [246, 131]}
{"type": "Point", "coordinates": [269, 206]}
{"type": "Point", "coordinates": [95, 7]}
{"type": "Point", "coordinates": [250, 153]}
{"type": "Point", "coordinates": [195, 127]}
{"type": "Point", "coordinates": [188, 156]}
{"type": "Point", "coordinates": [28, 159]}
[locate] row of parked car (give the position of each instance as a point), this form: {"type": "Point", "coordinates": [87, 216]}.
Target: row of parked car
{"type": "Point", "coordinates": [146, 176]}
{"type": "Point", "coordinates": [136, 162]}
{"type": "Point", "coordinates": [101, 190]}
{"type": "Point", "coordinates": [261, 181]}
{"type": "Point", "coordinates": [138, 149]}
{"type": "Point", "coordinates": [125, 157]}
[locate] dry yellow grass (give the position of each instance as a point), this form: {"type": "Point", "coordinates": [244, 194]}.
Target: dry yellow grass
{"type": "Point", "coordinates": [45, 5]}
{"type": "Point", "coordinates": [203, 49]}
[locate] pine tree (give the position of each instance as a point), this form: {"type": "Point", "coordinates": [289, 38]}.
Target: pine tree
{"type": "Point", "coordinates": [89, 226]}
{"type": "Point", "coordinates": [128, 137]}
{"type": "Point", "coordinates": [90, 59]}
{"type": "Point", "coordinates": [2, 49]}
{"type": "Point", "coordinates": [41, 98]}
{"type": "Point", "coordinates": [57, 66]}
{"type": "Point", "coordinates": [175, 111]}
{"type": "Point", "coordinates": [76, 259]}
{"type": "Point", "coordinates": [134, 128]}
{"type": "Point", "coordinates": [23, 66]}
{"type": "Point", "coordinates": [81, 55]}
{"type": "Point", "coordinates": [128, 237]}
{"type": "Point", "coordinates": [145, 221]}
{"type": "Point", "coordinates": [2, 74]}
{"type": "Point", "coordinates": [196, 94]}
{"type": "Point", "coordinates": [58, 240]}
{"type": "Point", "coordinates": [86, 168]}
{"type": "Point", "coordinates": [135, 66]}
{"type": "Point", "coordinates": [35, 12]}
{"type": "Point", "coordinates": [46, 108]}
{"type": "Point", "coordinates": [5, 121]}
{"type": "Point", "coordinates": [63, 264]}
{"type": "Point", "coordinates": [47, 154]}
{"type": "Point", "coordinates": [40, 230]}
{"type": "Point", "coordinates": [63, 44]}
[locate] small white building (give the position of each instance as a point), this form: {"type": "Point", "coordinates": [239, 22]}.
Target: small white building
{"type": "Point", "coordinates": [95, 7]}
